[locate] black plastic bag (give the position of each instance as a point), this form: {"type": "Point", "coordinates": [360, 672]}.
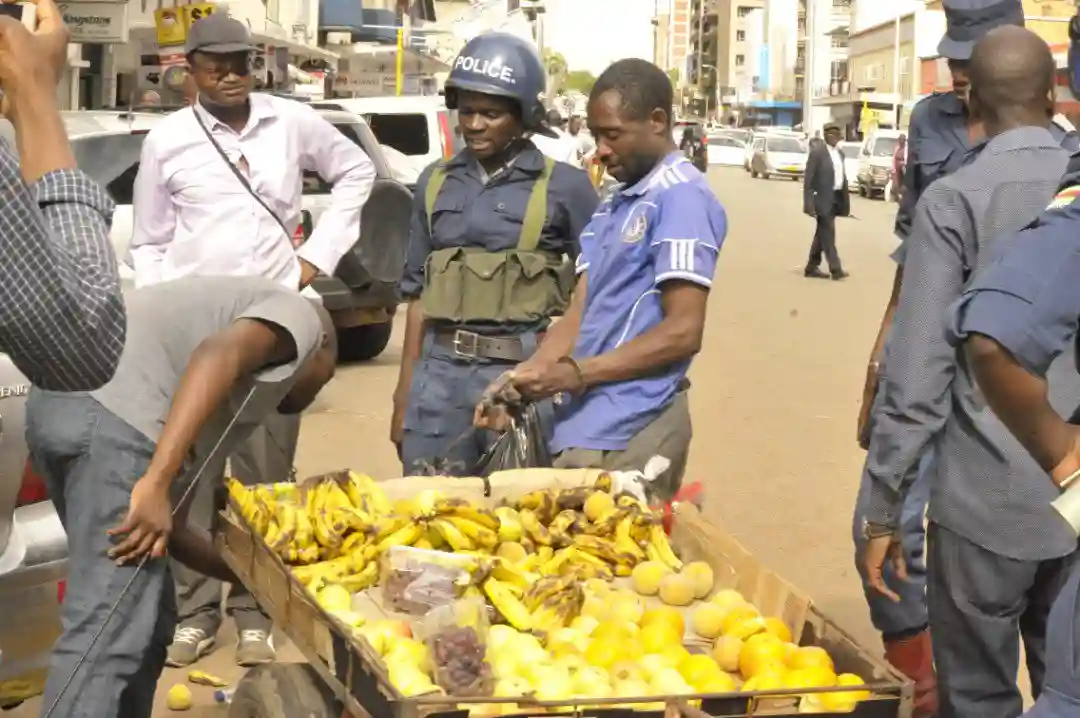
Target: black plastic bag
{"type": "Point", "coordinates": [523, 446]}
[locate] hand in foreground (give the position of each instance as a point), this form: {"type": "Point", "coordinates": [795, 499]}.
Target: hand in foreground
{"type": "Point", "coordinates": [1070, 463]}
{"type": "Point", "coordinates": [870, 388]}
{"type": "Point", "coordinates": [33, 61]}
{"type": "Point", "coordinates": [539, 381]}
{"type": "Point", "coordinates": [148, 524]}
{"type": "Point", "coordinates": [878, 551]}
{"type": "Point", "coordinates": [490, 413]}
{"type": "Point", "coordinates": [397, 420]}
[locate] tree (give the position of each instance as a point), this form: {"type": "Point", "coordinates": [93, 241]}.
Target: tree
{"type": "Point", "coordinates": [580, 80]}
{"type": "Point", "coordinates": [673, 75]}
{"type": "Point", "coordinates": [556, 67]}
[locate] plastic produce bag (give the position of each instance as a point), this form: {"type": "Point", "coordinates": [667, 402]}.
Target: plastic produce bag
{"type": "Point", "coordinates": [523, 446]}
{"type": "Point", "coordinates": [455, 633]}
{"type": "Point", "coordinates": [415, 580]}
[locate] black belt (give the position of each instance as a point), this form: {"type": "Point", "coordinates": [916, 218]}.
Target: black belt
{"type": "Point", "coordinates": [470, 345]}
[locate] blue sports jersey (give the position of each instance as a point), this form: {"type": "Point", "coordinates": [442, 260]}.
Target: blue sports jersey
{"type": "Point", "coordinates": [668, 226]}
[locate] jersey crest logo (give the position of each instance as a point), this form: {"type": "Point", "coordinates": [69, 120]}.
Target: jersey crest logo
{"type": "Point", "coordinates": [635, 231]}
{"type": "Point", "coordinates": [1065, 197]}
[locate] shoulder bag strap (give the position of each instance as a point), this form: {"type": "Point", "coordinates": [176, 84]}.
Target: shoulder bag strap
{"type": "Point", "coordinates": [431, 192]}
{"type": "Point", "coordinates": [239, 175]}
{"type": "Point", "coordinates": [536, 210]}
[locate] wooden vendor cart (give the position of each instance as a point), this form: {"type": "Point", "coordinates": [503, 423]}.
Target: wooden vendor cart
{"type": "Point", "coordinates": [345, 678]}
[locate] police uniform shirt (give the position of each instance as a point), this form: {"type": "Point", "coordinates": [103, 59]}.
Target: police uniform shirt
{"type": "Point", "coordinates": [473, 210]}
{"type": "Point", "coordinates": [668, 226]}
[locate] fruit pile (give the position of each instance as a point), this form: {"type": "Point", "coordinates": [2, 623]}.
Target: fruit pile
{"type": "Point", "coordinates": [587, 598]}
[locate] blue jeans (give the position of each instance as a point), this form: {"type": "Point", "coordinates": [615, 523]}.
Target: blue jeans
{"type": "Point", "coordinates": [90, 460]}
{"type": "Point", "coordinates": [898, 619]}
{"type": "Point", "coordinates": [1060, 697]}
{"type": "Point", "coordinates": [444, 393]}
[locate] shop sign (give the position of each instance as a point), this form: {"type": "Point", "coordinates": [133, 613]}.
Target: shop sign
{"type": "Point", "coordinates": [172, 23]}
{"type": "Point", "coordinates": [170, 26]}
{"type": "Point", "coordinates": [95, 22]}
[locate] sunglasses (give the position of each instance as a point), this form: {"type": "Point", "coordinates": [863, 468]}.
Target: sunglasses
{"type": "Point", "coordinates": [221, 66]}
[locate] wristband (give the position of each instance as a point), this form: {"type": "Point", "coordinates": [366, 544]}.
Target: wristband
{"type": "Point", "coordinates": [577, 372]}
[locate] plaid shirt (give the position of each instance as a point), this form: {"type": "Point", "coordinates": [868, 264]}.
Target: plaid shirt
{"type": "Point", "coordinates": [62, 318]}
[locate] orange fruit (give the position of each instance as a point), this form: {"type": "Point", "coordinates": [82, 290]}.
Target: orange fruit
{"type": "Point", "coordinates": [778, 628]}
{"type": "Point", "coordinates": [766, 681]}
{"type": "Point", "coordinates": [603, 654]}
{"type": "Point", "coordinates": [737, 616]}
{"type": "Point", "coordinates": [816, 677]}
{"type": "Point", "coordinates": [629, 649]}
{"type": "Point", "coordinates": [810, 657]}
{"type": "Point", "coordinates": [850, 680]}
{"type": "Point", "coordinates": [665, 614]}
{"type": "Point", "coordinates": [716, 683]}
{"type": "Point", "coordinates": [657, 636]}
{"type": "Point", "coordinates": [758, 655]}
{"type": "Point", "coordinates": [674, 654]}
{"type": "Point", "coordinates": [698, 667]}
{"type": "Point", "coordinates": [610, 631]}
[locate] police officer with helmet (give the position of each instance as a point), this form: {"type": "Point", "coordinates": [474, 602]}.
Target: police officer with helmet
{"type": "Point", "coordinates": [942, 137]}
{"type": "Point", "coordinates": [491, 249]}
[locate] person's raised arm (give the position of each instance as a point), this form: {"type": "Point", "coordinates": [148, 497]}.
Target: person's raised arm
{"type": "Point", "coordinates": [351, 173]}
{"type": "Point", "coordinates": [62, 318]}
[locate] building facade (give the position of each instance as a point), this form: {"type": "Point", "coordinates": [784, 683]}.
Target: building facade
{"type": "Point", "coordinates": [821, 65]}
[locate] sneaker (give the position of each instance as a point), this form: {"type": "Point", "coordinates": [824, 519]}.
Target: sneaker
{"type": "Point", "coordinates": [255, 648]}
{"type": "Point", "coordinates": [189, 645]}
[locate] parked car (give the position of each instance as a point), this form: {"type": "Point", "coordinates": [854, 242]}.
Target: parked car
{"type": "Point", "coordinates": [361, 296]}
{"type": "Point", "coordinates": [875, 162]}
{"type": "Point", "coordinates": [778, 156]}
{"type": "Point", "coordinates": [418, 126]}
{"type": "Point", "coordinates": [743, 136]}
{"type": "Point", "coordinates": [850, 152]}
{"type": "Point", "coordinates": [725, 150]}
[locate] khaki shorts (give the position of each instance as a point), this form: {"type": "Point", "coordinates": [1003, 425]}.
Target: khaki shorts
{"type": "Point", "coordinates": [668, 436]}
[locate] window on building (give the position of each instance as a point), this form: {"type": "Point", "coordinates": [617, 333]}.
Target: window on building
{"type": "Point", "coordinates": [740, 36]}
{"type": "Point", "coordinates": [839, 42]}
{"type": "Point", "coordinates": [743, 11]}
{"type": "Point", "coordinates": [838, 70]}
{"type": "Point", "coordinates": [740, 60]}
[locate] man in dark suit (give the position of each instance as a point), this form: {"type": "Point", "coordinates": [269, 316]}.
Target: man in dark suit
{"type": "Point", "coordinates": [825, 197]}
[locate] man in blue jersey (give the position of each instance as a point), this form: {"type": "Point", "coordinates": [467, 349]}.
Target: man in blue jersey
{"type": "Point", "coordinates": [618, 358]}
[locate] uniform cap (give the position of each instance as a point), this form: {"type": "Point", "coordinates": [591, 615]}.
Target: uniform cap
{"type": "Point", "coordinates": [218, 34]}
{"type": "Point", "coordinates": [967, 21]}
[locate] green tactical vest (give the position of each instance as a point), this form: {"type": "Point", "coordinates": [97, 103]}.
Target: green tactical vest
{"type": "Point", "coordinates": [521, 285]}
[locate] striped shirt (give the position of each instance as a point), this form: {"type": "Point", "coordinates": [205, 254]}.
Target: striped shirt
{"type": "Point", "coordinates": [985, 485]}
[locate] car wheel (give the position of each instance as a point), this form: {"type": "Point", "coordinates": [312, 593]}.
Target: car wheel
{"type": "Point", "coordinates": [283, 690]}
{"type": "Point", "coordinates": [862, 190]}
{"type": "Point", "coordinates": [363, 343]}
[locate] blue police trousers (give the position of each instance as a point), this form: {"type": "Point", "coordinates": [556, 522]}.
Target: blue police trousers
{"type": "Point", "coordinates": [1060, 697]}
{"type": "Point", "coordinates": [90, 461]}
{"type": "Point", "coordinates": [446, 388]}
{"type": "Point", "coordinates": [896, 620]}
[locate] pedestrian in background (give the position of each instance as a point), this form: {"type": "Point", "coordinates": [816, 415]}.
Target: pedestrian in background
{"type": "Point", "coordinates": [497, 212]}
{"type": "Point", "coordinates": [899, 162]}
{"type": "Point", "coordinates": [942, 137]}
{"type": "Point", "coordinates": [997, 554]}
{"type": "Point", "coordinates": [825, 197]}
{"type": "Point", "coordinates": [219, 193]}
{"type": "Point", "coordinates": [554, 142]}
{"type": "Point", "coordinates": [62, 317]}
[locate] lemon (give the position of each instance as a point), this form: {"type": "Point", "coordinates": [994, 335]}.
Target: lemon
{"type": "Point", "coordinates": [178, 698]}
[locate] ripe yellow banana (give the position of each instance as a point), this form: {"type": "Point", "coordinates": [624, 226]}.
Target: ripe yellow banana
{"type": "Point", "coordinates": [573, 499]}
{"type": "Point", "coordinates": [336, 496]}
{"type": "Point", "coordinates": [541, 503]}
{"type": "Point", "coordinates": [506, 603]}
{"type": "Point", "coordinates": [510, 528]}
{"type": "Point", "coordinates": [454, 506]}
{"type": "Point", "coordinates": [406, 536]}
{"type": "Point", "coordinates": [536, 530]}
{"type": "Point", "coordinates": [388, 525]}
{"type": "Point", "coordinates": [363, 580]}
{"type": "Point", "coordinates": [659, 540]}
{"type": "Point", "coordinates": [605, 549]}
{"type": "Point", "coordinates": [553, 566]}
{"type": "Point", "coordinates": [511, 574]}
{"type": "Point", "coordinates": [373, 497]}
{"type": "Point", "coordinates": [545, 589]}
{"type": "Point", "coordinates": [481, 536]}
{"type": "Point", "coordinates": [625, 542]}
{"type": "Point", "coordinates": [455, 538]}
{"type": "Point", "coordinates": [423, 506]}
{"type": "Point", "coordinates": [604, 482]}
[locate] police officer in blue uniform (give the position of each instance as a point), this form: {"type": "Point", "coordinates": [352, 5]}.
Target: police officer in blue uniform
{"type": "Point", "coordinates": [941, 139]}
{"type": "Point", "coordinates": [1014, 320]}
{"type": "Point", "coordinates": [493, 239]}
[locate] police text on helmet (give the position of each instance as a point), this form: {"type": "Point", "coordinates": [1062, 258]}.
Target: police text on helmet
{"type": "Point", "coordinates": [485, 67]}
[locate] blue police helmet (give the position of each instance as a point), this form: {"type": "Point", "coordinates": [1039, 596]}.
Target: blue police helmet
{"type": "Point", "coordinates": [497, 63]}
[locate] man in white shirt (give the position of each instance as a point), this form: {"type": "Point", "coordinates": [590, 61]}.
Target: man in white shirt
{"type": "Point", "coordinates": [218, 193]}
{"type": "Point", "coordinates": [586, 145]}
{"type": "Point", "coordinates": [558, 146]}
{"type": "Point", "coordinates": [825, 198]}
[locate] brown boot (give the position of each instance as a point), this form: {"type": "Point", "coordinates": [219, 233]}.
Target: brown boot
{"type": "Point", "coordinates": [915, 659]}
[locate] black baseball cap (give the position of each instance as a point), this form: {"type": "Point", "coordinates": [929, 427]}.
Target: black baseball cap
{"type": "Point", "coordinates": [830, 127]}
{"type": "Point", "coordinates": [218, 34]}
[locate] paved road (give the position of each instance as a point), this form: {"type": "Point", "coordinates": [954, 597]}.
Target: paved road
{"type": "Point", "coordinates": [775, 395]}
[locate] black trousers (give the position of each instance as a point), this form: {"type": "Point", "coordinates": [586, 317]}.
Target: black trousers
{"type": "Point", "coordinates": [825, 239]}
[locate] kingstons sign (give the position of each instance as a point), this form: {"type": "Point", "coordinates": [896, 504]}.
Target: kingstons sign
{"type": "Point", "coordinates": [96, 22]}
